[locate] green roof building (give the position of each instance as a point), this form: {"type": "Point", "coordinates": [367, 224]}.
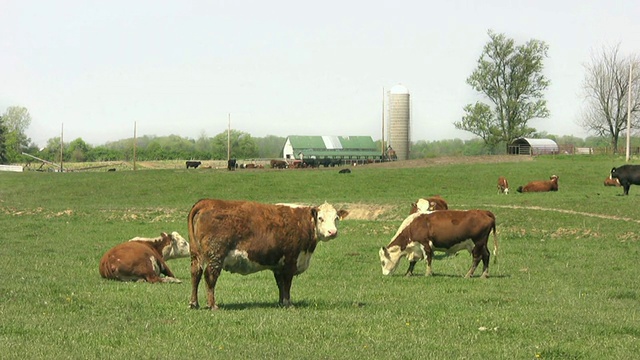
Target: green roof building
{"type": "Point", "coordinates": [350, 148]}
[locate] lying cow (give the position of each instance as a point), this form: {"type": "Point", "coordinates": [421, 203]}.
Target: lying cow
{"type": "Point", "coordinates": [428, 205]}
{"type": "Point", "coordinates": [143, 259]}
{"type": "Point", "coordinates": [503, 185]}
{"type": "Point", "coordinates": [611, 182]}
{"type": "Point", "coordinates": [627, 175]}
{"type": "Point", "coordinates": [540, 186]}
{"type": "Point", "coordinates": [449, 231]}
{"type": "Point", "coordinates": [193, 164]}
{"type": "Point", "coordinates": [246, 237]}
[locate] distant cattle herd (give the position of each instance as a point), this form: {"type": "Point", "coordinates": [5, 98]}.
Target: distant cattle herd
{"type": "Point", "coordinates": [246, 237]}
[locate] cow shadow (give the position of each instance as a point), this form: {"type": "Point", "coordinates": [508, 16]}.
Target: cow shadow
{"type": "Point", "coordinates": [303, 304]}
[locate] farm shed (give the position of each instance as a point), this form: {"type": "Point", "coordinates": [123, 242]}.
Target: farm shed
{"type": "Point", "coordinates": [343, 148]}
{"type": "Point", "coordinates": [525, 146]}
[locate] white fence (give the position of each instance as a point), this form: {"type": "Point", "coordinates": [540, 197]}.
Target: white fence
{"type": "Point", "coordinates": [15, 168]}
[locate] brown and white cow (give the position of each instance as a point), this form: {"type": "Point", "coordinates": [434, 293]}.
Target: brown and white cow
{"type": "Point", "coordinates": [246, 237]}
{"type": "Point", "coordinates": [449, 231]}
{"type": "Point", "coordinates": [541, 185]}
{"type": "Point", "coordinates": [143, 259]}
{"type": "Point", "coordinates": [428, 205]}
{"type": "Point", "coordinates": [503, 185]}
{"type": "Point", "coordinates": [279, 164]}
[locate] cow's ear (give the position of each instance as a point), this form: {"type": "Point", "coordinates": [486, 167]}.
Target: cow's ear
{"type": "Point", "coordinates": [342, 214]}
{"type": "Point", "coordinates": [314, 213]}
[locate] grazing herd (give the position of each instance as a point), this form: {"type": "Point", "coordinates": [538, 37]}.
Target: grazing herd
{"type": "Point", "coordinates": [245, 237]}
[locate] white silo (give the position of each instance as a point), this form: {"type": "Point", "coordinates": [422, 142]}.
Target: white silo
{"type": "Point", "coordinates": [399, 121]}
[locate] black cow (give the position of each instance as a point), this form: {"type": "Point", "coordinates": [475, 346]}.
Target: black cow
{"type": "Point", "coordinates": [344, 171]}
{"type": "Point", "coordinates": [627, 175]}
{"type": "Point", "coordinates": [231, 164]}
{"type": "Point", "coordinates": [193, 164]}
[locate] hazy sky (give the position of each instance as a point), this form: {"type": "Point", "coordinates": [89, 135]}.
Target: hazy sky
{"type": "Point", "coordinates": [282, 67]}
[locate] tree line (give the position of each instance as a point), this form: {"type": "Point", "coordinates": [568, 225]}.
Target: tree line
{"type": "Point", "coordinates": [509, 80]}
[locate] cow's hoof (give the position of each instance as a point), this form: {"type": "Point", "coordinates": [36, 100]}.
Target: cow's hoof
{"type": "Point", "coordinates": [194, 306]}
{"type": "Point", "coordinates": [214, 307]}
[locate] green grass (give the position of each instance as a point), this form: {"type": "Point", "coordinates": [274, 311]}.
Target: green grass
{"type": "Point", "coordinates": [565, 285]}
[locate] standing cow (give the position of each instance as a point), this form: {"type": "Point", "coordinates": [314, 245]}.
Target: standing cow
{"type": "Point", "coordinates": [503, 185]}
{"type": "Point", "coordinates": [627, 175]}
{"type": "Point", "coordinates": [279, 164]}
{"type": "Point", "coordinates": [143, 259]}
{"type": "Point", "coordinates": [449, 231]}
{"type": "Point", "coordinates": [246, 237]}
{"type": "Point", "coordinates": [540, 186]}
{"type": "Point", "coordinates": [193, 164]}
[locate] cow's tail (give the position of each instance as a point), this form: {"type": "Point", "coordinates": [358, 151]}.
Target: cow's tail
{"type": "Point", "coordinates": [199, 205]}
{"type": "Point", "coordinates": [519, 189]}
{"type": "Point", "coordinates": [495, 243]}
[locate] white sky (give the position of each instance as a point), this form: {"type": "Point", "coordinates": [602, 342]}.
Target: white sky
{"type": "Point", "coordinates": [282, 67]}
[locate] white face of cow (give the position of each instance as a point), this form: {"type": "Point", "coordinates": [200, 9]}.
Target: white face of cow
{"type": "Point", "coordinates": [327, 221]}
{"type": "Point", "coordinates": [179, 247]}
{"type": "Point", "coordinates": [389, 259]}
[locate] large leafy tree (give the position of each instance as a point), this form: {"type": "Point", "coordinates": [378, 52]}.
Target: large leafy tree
{"type": "Point", "coordinates": [606, 91]}
{"type": "Point", "coordinates": [510, 77]}
{"type": "Point", "coordinates": [16, 120]}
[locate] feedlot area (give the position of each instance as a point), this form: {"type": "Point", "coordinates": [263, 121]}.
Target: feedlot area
{"type": "Point", "coordinates": [564, 286]}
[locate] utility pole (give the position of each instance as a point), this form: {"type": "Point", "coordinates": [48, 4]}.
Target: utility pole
{"type": "Point", "coordinates": [229, 139]}
{"type": "Point", "coordinates": [61, 147]}
{"type": "Point", "coordinates": [629, 111]}
{"type": "Point", "coordinates": [135, 143]}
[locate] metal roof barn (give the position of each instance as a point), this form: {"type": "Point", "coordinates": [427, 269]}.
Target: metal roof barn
{"type": "Point", "coordinates": [526, 146]}
{"type": "Point", "coordinates": [333, 147]}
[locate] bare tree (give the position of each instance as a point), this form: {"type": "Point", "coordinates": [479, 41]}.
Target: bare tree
{"type": "Point", "coordinates": [606, 92]}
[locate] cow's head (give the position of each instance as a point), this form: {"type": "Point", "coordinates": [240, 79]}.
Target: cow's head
{"type": "Point", "coordinates": [614, 173]}
{"type": "Point", "coordinates": [554, 178]}
{"type": "Point", "coordinates": [179, 246]}
{"type": "Point", "coordinates": [389, 259]}
{"type": "Point", "coordinates": [327, 218]}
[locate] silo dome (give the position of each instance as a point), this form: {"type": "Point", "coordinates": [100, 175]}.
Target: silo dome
{"type": "Point", "coordinates": [399, 121]}
{"type": "Point", "coordinates": [399, 89]}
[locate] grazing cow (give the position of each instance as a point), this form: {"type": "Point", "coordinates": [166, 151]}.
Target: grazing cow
{"type": "Point", "coordinates": [143, 259]}
{"type": "Point", "coordinates": [503, 185]}
{"type": "Point", "coordinates": [611, 182]}
{"type": "Point", "coordinates": [112, 169]}
{"type": "Point", "coordinates": [447, 230]}
{"type": "Point", "coordinates": [231, 164]}
{"type": "Point", "coordinates": [627, 175]}
{"type": "Point", "coordinates": [428, 205]}
{"type": "Point", "coordinates": [246, 237]}
{"type": "Point", "coordinates": [279, 164]}
{"type": "Point", "coordinates": [193, 164]}
{"type": "Point", "coordinates": [540, 186]}
{"type": "Point", "coordinates": [344, 171]}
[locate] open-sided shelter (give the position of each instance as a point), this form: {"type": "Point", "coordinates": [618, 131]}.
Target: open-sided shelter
{"type": "Point", "coordinates": [526, 146]}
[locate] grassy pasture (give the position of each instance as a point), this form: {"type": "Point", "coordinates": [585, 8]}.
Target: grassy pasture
{"type": "Point", "coordinates": [565, 285]}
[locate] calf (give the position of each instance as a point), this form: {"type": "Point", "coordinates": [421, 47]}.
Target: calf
{"type": "Point", "coordinates": [503, 185]}
{"type": "Point", "coordinates": [193, 164]}
{"type": "Point", "coordinates": [344, 171]}
{"type": "Point", "coordinates": [627, 175]}
{"type": "Point", "coordinates": [143, 259]}
{"type": "Point", "coordinates": [447, 230]}
{"type": "Point", "coordinates": [428, 205]}
{"type": "Point", "coordinates": [246, 237]}
{"type": "Point", "coordinates": [540, 186]}
{"type": "Point", "coordinates": [231, 164]}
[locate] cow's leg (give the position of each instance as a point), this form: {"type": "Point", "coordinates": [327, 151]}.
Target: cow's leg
{"type": "Point", "coordinates": [164, 269]}
{"type": "Point", "coordinates": [626, 187]}
{"type": "Point", "coordinates": [485, 262]}
{"type": "Point", "coordinates": [284, 279]}
{"type": "Point", "coordinates": [211, 274]}
{"type": "Point", "coordinates": [412, 265]}
{"type": "Point", "coordinates": [477, 255]}
{"type": "Point", "coordinates": [429, 256]}
{"type": "Point", "coordinates": [196, 275]}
